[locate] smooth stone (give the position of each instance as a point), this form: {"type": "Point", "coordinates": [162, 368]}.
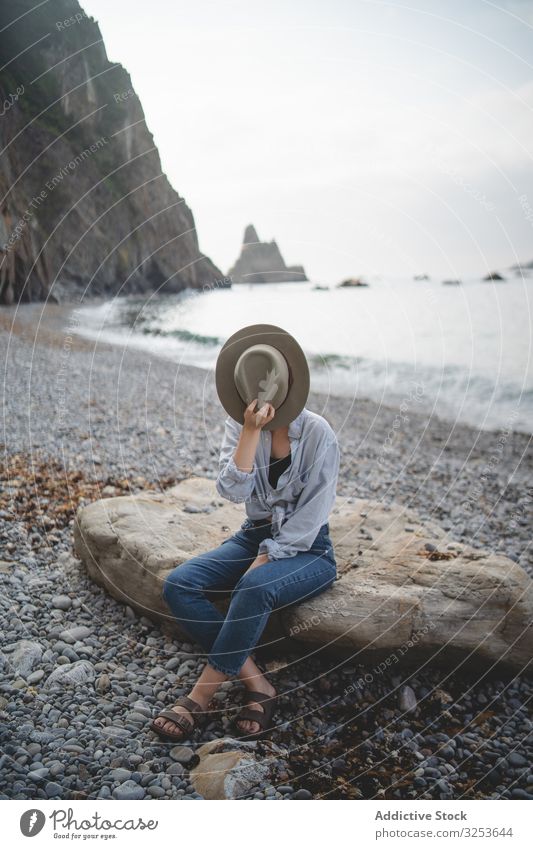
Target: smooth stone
{"type": "Point", "coordinates": [516, 759]}
{"type": "Point", "coordinates": [35, 677]}
{"type": "Point", "coordinates": [156, 792]}
{"type": "Point", "coordinates": [53, 789]}
{"type": "Point", "coordinates": [56, 768]}
{"type": "Point", "coordinates": [38, 774]}
{"type": "Point", "coordinates": [129, 790]}
{"type": "Point", "coordinates": [175, 769]}
{"type": "Point", "coordinates": [408, 702]}
{"type": "Point", "coordinates": [120, 774]}
{"type": "Point", "coordinates": [519, 793]}
{"type": "Point", "coordinates": [62, 602]}
{"type": "Point", "coordinates": [77, 632]}
{"type": "Point", "coordinates": [182, 754]}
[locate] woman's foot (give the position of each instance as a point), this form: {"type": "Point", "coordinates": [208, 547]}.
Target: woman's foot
{"type": "Point", "coordinates": [170, 727]}
{"type": "Point", "coordinates": [261, 685]}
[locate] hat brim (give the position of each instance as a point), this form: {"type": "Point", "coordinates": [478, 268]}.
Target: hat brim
{"type": "Point", "coordinates": [230, 352]}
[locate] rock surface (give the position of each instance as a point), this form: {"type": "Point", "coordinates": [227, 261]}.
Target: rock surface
{"type": "Point", "coordinates": [406, 591]}
{"type": "Point", "coordinates": [262, 262]}
{"type": "Point", "coordinates": [85, 198]}
{"type": "Point", "coordinates": [26, 654]}
{"type": "Point", "coordinates": [71, 675]}
{"type": "Point", "coordinates": [228, 769]}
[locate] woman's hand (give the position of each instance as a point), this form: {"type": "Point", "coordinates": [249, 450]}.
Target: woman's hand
{"type": "Point", "coordinates": [250, 434]}
{"type": "Point", "coordinates": [259, 560]}
{"type": "Point", "coordinates": [257, 420]}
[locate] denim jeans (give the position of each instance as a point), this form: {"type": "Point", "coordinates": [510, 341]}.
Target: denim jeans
{"type": "Point", "coordinates": [229, 640]}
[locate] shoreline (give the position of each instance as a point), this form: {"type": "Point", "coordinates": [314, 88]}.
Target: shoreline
{"type": "Point", "coordinates": [54, 323]}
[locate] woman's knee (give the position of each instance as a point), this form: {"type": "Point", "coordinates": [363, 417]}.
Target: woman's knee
{"type": "Point", "coordinates": [177, 583]}
{"type": "Point", "coordinates": [253, 587]}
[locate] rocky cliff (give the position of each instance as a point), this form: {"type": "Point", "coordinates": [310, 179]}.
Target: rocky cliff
{"type": "Point", "coordinates": [85, 207]}
{"type": "Point", "coordinates": [262, 262]}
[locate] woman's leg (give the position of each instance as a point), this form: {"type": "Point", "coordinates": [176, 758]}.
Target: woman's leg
{"type": "Point", "coordinates": [184, 589]}
{"type": "Point", "coordinates": [254, 597]}
{"type": "Point", "coordinates": [184, 592]}
{"type": "Point", "coordinates": [272, 586]}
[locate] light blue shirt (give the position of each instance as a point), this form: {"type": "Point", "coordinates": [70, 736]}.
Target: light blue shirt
{"type": "Point", "coordinates": [306, 491]}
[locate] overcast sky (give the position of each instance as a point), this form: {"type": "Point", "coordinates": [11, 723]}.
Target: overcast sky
{"type": "Point", "coordinates": [366, 137]}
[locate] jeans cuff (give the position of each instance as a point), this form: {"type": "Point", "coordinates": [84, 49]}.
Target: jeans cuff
{"type": "Point", "coordinates": [219, 668]}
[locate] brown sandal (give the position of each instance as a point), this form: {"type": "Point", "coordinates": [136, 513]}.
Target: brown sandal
{"type": "Point", "coordinates": [261, 717]}
{"type": "Point", "coordinates": [181, 720]}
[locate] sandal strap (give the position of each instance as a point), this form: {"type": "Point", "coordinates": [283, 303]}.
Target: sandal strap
{"type": "Point", "coordinates": [190, 704]}
{"type": "Point", "coordinates": [180, 719]}
{"type": "Point", "coordinates": [253, 715]}
{"type": "Point", "coordinates": [177, 718]}
{"type": "Point", "coordinates": [262, 717]}
{"type": "Point", "coordinates": [252, 696]}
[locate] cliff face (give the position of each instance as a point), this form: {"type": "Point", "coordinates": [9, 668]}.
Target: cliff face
{"type": "Point", "coordinates": [262, 262]}
{"type": "Point", "coordinates": [84, 205]}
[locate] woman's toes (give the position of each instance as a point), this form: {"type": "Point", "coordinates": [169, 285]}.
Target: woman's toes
{"type": "Point", "coordinates": [249, 727]}
{"type": "Point", "coordinates": [170, 727]}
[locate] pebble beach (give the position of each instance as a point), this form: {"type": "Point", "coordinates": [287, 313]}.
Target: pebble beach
{"type": "Point", "coordinates": [84, 420]}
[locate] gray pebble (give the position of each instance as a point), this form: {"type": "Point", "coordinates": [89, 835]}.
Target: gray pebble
{"type": "Point", "coordinates": [129, 790]}
{"type": "Point", "coordinates": [182, 754]}
{"type": "Point", "coordinates": [62, 602]}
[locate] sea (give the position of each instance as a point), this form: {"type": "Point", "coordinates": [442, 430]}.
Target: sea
{"type": "Point", "coordinates": [462, 352]}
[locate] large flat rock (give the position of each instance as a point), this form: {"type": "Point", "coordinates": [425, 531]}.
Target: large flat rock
{"type": "Point", "coordinates": [406, 592]}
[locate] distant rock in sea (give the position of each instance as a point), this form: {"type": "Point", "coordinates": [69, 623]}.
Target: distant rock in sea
{"type": "Point", "coordinates": [262, 262]}
{"type": "Point", "coordinates": [494, 276]}
{"type": "Point", "coordinates": [522, 267]}
{"type": "Point", "coordinates": [451, 282]}
{"type": "Point", "coordinates": [351, 282]}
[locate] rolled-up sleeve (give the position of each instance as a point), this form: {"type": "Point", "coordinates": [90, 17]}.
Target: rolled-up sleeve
{"type": "Point", "coordinates": [312, 509]}
{"type": "Point", "coordinates": [232, 483]}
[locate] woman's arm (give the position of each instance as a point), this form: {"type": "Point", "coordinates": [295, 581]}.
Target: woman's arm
{"type": "Point", "coordinates": [312, 510]}
{"type": "Point", "coordinates": [237, 469]}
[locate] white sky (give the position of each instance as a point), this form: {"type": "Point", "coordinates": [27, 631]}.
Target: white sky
{"type": "Point", "coordinates": [366, 137]}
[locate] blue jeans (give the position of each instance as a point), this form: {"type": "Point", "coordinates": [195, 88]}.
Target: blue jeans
{"type": "Point", "coordinates": [229, 640]}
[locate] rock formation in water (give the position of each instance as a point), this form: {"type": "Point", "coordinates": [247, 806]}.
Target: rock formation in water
{"type": "Point", "coordinates": [493, 277]}
{"type": "Point", "coordinates": [262, 262]}
{"type": "Point", "coordinates": [84, 205]}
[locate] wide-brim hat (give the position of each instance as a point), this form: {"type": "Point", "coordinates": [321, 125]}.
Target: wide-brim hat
{"type": "Point", "coordinates": [262, 361]}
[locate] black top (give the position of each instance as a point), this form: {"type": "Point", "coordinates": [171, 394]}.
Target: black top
{"type": "Point", "coordinates": [276, 468]}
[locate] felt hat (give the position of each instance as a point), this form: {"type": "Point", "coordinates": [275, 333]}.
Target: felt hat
{"type": "Point", "coordinates": [262, 361]}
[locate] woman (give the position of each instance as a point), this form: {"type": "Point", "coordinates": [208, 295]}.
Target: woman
{"type": "Point", "coordinates": [282, 554]}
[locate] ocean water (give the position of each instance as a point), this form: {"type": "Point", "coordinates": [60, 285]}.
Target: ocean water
{"type": "Point", "coordinates": [463, 352]}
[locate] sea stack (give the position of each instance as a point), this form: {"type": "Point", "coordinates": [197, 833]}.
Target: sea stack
{"type": "Point", "coordinates": [262, 262]}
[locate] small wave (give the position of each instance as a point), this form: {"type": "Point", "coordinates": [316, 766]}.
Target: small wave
{"type": "Point", "coordinates": [324, 361]}
{"type": "Point", "coordinates": [450, 390]}
{"type": "Point", "coordinates": [184, 335]}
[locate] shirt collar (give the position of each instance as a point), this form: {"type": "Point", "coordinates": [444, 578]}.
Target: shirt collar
{"type": "Point", "coordinates": [295, 427]}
